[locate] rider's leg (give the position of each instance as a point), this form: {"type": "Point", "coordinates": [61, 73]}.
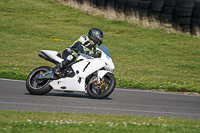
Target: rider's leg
{"type": "Point", "coordinates": [68, 56]}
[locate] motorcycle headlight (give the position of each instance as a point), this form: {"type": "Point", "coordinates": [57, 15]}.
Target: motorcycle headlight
{"type": "Point", "coordinates": [109, 68]}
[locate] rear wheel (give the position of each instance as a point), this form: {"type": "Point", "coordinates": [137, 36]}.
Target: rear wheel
{"type": "Point", "coordinates": [102, 90]}
{"type": "Point", "coordinates": [38, 86]}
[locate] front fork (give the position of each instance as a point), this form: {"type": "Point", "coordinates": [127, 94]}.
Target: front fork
{"type": "Point", "coordinates": [98, 78]}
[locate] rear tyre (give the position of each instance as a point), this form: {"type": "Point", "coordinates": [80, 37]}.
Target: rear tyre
{"type": "Point", "coordinates": [35, 86]}
{"type": "Point", "coordinates": [181, 11]}
{"type": "Point", "coordinates": [144, 4]}
{"type": "Point", "coordinates": [102, 90]}
{"type": "Point", "coordinates": [170, 3]}
{"type": "Point", "coordinates": [169, 10]}
{"type": "Point", "coordinates": [156, 7]}
{"type": "Point", "coordinates": [132, 3]}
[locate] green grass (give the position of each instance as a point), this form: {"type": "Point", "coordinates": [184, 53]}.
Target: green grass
{"type": "Point", "coordinates": [146, 59]}
{"type": "Point", "coordinates": [34, 122]}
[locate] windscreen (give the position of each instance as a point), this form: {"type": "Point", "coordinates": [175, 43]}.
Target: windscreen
{"type": "Point", "coordinates": [105, 50]}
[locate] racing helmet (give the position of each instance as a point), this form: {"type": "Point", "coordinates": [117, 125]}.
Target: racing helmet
{"type": "Point", "coordinates": [96, 35]}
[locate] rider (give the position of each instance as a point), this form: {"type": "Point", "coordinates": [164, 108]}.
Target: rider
{"type": "Point", "coordinates": [85, 45]}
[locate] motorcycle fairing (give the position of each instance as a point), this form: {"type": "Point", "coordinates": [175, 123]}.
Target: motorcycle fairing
{"type": "Point", "coordinates": [75, 83]}
{"type": "Point", "coordinates": [86, 67]}
{"type": "Point", "coordinates": [109, 63]}
{"type": "Point", "coordinates": [70, 84]}
{"type": "Point", "coordinates": [82, 69]}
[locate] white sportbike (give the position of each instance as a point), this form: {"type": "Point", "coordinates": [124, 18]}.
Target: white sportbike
{"type": "Point", "coordinates": [93, 76]}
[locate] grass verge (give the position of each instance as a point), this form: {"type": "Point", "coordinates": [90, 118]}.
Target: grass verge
{"type": "Point", "coordinates": [21, 121]}
{"type": "Point", "coordinates": [144, 58]}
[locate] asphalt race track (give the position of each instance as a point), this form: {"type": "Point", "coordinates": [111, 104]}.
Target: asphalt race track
{"type": "Point", "coordinates": [14, 96]}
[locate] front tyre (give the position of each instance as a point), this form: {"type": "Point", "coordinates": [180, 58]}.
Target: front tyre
{"type": "Point", "coordinates": [102, 90]}
{"type": "Point", "coordinates": [38, 86]}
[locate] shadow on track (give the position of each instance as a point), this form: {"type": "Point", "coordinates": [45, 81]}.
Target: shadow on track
{"type": "Point", "coordinates": [70, 94]}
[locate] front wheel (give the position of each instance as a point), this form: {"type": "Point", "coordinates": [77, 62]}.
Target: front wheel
{"type": "Point", "coordinates": [102, 90]}
{"type": "Point", "coordinates": [38, 86]}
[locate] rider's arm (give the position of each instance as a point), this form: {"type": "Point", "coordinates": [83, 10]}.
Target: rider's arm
{"type": "Point", "coordinates": [83, 45]}
{"type": "Point", "coordinates": [79, 47]}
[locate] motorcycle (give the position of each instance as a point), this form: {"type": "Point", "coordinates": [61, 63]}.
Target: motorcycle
{"type": "Point", "coordinates": [90, 75]}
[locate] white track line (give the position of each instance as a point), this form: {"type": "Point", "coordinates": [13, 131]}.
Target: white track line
{"type": "Point", "coordinates": [12, 80]}
{"type": "Point", "coordinates": [96, 108]}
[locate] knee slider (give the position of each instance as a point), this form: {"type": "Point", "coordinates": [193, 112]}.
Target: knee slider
{"type": "Point", "coordinates": [70, 58]}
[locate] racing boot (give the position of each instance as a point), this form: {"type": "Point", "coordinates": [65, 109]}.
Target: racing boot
{"type": "Point", "coordinates": [57, 70]}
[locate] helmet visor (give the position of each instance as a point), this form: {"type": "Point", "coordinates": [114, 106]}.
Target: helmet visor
{"type": "Point", "coordinates": [100, 37]}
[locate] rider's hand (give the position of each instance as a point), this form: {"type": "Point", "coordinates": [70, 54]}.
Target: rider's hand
{"type": "Point", "coordinates": [97, 55]}
{"type": "Point", "coordinates": [87, 52]}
